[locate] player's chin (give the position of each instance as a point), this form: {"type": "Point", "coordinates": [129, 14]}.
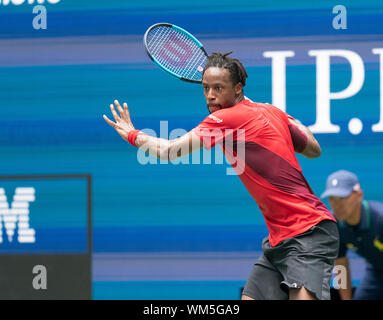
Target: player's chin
{"type": "Point", "coordinates": [214, 108]}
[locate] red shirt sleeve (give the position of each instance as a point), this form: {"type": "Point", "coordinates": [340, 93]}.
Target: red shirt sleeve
{"type": "Point", "coordinates": [298, 137]}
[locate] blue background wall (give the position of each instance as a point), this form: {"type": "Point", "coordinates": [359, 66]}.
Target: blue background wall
{"type": "Point", "coordinates": [171, 231]}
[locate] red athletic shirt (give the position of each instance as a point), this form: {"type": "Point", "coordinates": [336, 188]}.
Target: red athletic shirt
{"type": "Point", "coordinates": [260, 143]}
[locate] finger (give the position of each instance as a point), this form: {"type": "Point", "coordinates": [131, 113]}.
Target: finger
{"type": "Point", "coordinates": [115, 115]}
{"type": "Point", "coordinates": [126, 111]}
{"type": "Point", "coordinates": [119, 107]}
{"type": "Point", "coordinates": [109, 121]}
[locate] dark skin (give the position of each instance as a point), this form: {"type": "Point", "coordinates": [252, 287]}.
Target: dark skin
{"type": "Point", "coordinates": [219, 91]}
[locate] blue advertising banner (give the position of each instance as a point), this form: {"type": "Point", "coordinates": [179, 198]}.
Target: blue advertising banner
{"type": "Point", "coordinates": [44, 216]}
{"type": "Point", "coordinates": [188, 229]}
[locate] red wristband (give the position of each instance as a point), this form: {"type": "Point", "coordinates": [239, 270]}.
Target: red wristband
{"type": "Point", "coordinates": [132, 136]}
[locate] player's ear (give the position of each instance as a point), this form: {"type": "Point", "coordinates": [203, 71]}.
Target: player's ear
{"type": "Point", "coordinates": [238, 88]}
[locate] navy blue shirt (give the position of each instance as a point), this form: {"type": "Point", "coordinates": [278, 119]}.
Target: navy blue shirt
{"type": "Point", "coordinates": [366, 238]}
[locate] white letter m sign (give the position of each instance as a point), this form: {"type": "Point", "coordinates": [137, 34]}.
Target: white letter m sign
{"type": "Point", "coordinates": [17, 216]}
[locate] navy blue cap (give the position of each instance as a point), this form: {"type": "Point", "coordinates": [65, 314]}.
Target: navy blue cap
{"type": "Point", "coordinates": [341, 184]}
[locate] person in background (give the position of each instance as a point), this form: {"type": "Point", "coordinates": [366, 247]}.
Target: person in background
{"type": "Point", "coordinates": [360, 224]}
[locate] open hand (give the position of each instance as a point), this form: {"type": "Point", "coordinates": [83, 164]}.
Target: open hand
{"type": "Point", "coordinates": [123, 124]}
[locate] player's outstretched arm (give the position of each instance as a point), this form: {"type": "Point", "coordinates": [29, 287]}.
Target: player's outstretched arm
{"type": "Point", "coordinates": [169, 149]}
{"type": "Point", "coordinates": [308, 146]}
{"type": "Point", "coordinates": [157, 147]}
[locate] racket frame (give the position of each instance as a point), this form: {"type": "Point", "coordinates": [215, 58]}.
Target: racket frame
{"type": "Point", "coordinates": [169, 25]}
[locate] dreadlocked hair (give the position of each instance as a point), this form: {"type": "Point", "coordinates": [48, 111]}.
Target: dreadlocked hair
{"type": "Point", "coordinates": [235, 67]}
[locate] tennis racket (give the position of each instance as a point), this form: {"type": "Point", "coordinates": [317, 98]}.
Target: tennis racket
{"type": "Point", "coordinates": [176, 51]}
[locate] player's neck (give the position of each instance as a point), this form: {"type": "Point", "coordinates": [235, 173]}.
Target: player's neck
{"type": "Point", "coordinates": [240, 98]}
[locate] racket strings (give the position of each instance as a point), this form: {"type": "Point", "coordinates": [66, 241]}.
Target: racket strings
{"type": "Point", "coordinates": [198, 60]}
{"type": "Point", "coordinates": [181, 56]}
{"type": "Point", "coordinates": [157, 40]}
{"type": "Point", "coordinates": [166, 35]}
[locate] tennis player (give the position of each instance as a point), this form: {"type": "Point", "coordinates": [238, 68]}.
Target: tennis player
{"type": "Point", "coordinates": [299, 253]}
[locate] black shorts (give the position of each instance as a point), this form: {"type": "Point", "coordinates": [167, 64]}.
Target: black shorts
{"type": "Point", "coordinates": [304, 260]}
